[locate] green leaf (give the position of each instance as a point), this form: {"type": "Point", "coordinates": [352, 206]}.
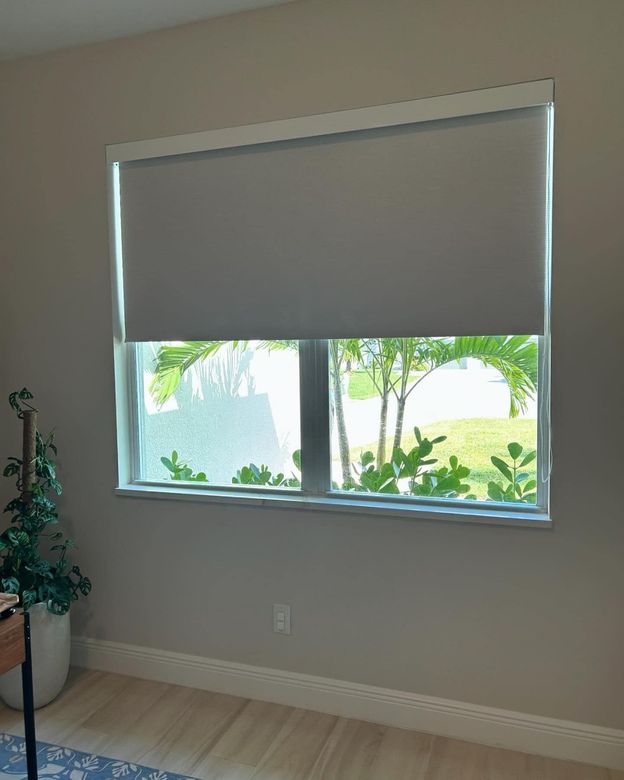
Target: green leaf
{"type": "Point", "coordinates": [366, 458]}
{"type": "Point", "coordinates": [495, 491]}
{"type": "Point", "coordinates": [528, 458]}
{"type": "Point", "coordinates": [168, 464]}
{"type": "Point", "coordinates": [425, 448]}
{"type": "Point", "coordinates": [502, 467]}
{"type": "Point", "coordinates": [514, 449]}
{"type": "Point", "coordinates": [10, 585]}
{"type": "Point", "coordinates": [389, 486]}
{"type": "Point", "coordinates": [58, 606]}
{"type": "Point", "coordinates": [29, 598]}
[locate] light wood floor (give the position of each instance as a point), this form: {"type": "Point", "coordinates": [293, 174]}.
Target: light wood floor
{"type": "Point", "coordinates": [216, 737]}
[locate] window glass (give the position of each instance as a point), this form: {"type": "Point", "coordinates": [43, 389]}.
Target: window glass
{"type": "Point", "coordinates": [436, 417]}
{"type": "Point", "coordinates": [220, 413]}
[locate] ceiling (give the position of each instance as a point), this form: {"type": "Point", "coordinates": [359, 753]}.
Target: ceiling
{"type": "Point", "coordinates": [35, 26]}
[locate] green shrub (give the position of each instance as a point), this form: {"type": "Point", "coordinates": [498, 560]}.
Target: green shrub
{"type": "Point", "coordinates": [412, 473]}
{"type": "Point", "coordinates": [181, 471]}
{"type": "Point", "coordinates": [413, 470]}
{"type": "Point", "coordinates": [518, 487]}
{"type": "Point", "coordinates": [261, 475]}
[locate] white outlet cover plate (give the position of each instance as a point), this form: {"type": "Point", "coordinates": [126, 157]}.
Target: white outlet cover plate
{"type": "Point", "coordinates": [281, 618]}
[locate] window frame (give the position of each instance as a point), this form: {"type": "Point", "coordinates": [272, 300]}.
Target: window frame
{"type": "Point", "coordinates": [316, 492]}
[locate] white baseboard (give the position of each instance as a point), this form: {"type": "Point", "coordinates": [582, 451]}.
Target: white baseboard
{"type": "Point", "coordinates": [503, 728]}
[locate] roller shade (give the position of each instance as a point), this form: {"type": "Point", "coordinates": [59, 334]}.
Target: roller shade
{"type": "Point", "coordinates": [427, 228]}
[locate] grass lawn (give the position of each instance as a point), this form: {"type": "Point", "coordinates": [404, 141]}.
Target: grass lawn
{"type": "Point", "coordinates": [361, 386]}
{"type": "Point", "coordinates": [474, 441]}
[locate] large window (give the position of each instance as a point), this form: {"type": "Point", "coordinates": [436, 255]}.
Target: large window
{"type": "Point", "coordinates": [424, 420]}
{"type": "Point", "coordinates": [348, 270]}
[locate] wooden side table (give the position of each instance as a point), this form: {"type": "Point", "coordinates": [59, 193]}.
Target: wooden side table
{"type": "Point", "coordinates": [14, 650]}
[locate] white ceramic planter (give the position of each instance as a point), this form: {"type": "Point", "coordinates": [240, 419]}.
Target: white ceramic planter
{"type": "Point", "coordinates": [50, 643]}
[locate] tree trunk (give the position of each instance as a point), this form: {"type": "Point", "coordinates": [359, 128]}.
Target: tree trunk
{"type": "Point", "coordinates": [343, 439]}
{"type": "Point", "coordinates": [398, 429]}
{"type": "Point", "coordinates": [29, 453]}
{"type": "Point", "coordinates": [383, 425]}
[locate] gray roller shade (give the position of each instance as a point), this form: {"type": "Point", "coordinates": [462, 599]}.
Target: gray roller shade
{"type": "Point", "coordinates": [435, 228]}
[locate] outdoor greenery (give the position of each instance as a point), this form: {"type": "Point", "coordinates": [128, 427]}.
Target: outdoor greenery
{"type": "Point", "coordinates": [181, 471]}
{"type": "Point", "coordinates": [247, 475]}
{"type": "Point", "coordinates": [413, 472]}
{"type": "Point", "coordinates": [477, 439]}
{"type": "Point", "coordinates": [517, 484]}
{"type": "Point", "coordinates": [45, 576]}
{"type": "Point", "coordinates": [393, 368]}
{"type": "Point", "coordinates": [262, 476]}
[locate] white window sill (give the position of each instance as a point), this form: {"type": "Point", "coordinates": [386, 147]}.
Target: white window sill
{"type": "Point", "coordinates": [497, 515]}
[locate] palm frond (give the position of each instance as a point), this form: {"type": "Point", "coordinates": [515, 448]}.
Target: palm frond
{"type": "Point", "coordinates": [172, 360]}
{"type": "Point", "coordinates": [516, 357]}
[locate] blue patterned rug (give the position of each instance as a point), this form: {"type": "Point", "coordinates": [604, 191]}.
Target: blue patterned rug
{"type": "Point", "coordinates": [63, 763]}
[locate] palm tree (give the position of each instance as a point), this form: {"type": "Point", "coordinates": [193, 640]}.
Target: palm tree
{"type": "Point", "coordinates": [515, 357]}
{"type": "Point", "coordinates": [390, 363]}
{"type": "Point", "coordinates": [340, 352]}
{"type": "Point", "coordinates": [381, 357]}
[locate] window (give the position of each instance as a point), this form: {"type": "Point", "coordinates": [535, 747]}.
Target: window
{"type": "Point", "coordinates": [436, 418]}
{"type": "Point", "coordinates": [219, 413]}
{"type": "Point", "coordinates": [282, 243]}
{"type": "Point", "coordinates": [428, 419]}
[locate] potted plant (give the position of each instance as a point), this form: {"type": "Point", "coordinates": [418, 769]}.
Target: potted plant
{"type": "Point", "coordinates": [34, 560]}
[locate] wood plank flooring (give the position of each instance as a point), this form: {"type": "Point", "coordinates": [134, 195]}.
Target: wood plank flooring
{"type": "Point", "coordinates": [212, 736]}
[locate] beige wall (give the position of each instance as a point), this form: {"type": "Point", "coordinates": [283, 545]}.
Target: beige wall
{"type": "Point", "coordinates": [523, 619]}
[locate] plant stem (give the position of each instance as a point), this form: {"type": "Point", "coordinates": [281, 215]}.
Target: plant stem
{"type": "Point", "coordinates": [29, 453]}
{"type": "Point", "coordinates": [398, 428]}
{"type": "Point", "coordinates": [383, 424]}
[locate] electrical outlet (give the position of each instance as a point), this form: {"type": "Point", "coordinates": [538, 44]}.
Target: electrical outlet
{"type": "Point", "coordinates": [281, 618]}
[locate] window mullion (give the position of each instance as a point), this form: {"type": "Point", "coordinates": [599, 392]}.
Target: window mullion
{"type": "Point", "coordinates": [315, 429]}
